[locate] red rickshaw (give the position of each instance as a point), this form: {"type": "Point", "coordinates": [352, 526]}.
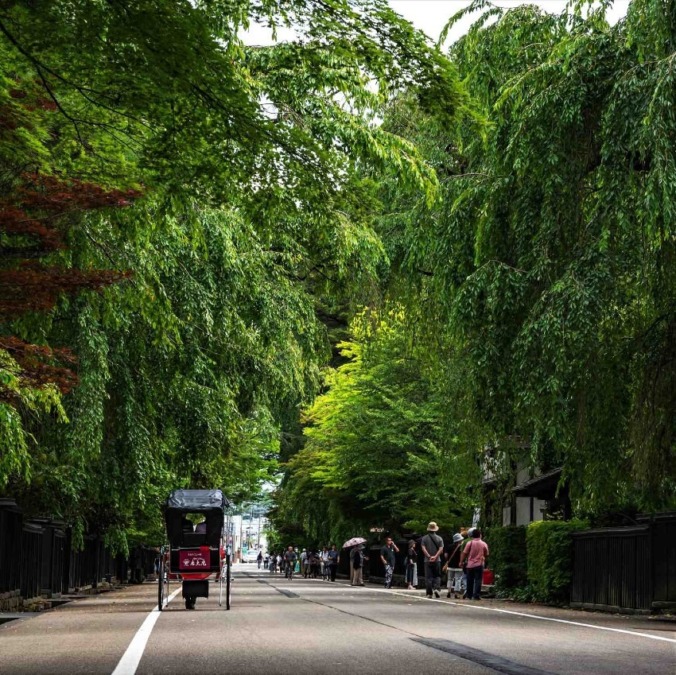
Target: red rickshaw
{"type": "Point", "coordinates": [194, 554]}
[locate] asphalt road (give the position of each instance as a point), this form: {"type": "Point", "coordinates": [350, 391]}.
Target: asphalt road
{"type": "Point", "coordinates": [311, 626]}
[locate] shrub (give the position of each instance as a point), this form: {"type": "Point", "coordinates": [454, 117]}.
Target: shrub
{"type": "Point", "coordinates": [549, 546]}
{"type": "Point", "coordinates": [508, 559]}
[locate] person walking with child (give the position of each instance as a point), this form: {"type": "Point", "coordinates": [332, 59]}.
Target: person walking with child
{"type": "Point", "coordinates": [476, 554]}
{"type": "Point", "coordinates": [433, 547]}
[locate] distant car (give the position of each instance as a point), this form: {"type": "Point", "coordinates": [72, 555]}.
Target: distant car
{"type": "Point", "coordinates": [250, 556]}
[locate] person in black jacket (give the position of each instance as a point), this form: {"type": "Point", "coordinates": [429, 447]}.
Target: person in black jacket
{"type": "Point", "coordinates": [411, 564]}
{"type": "Point", "coordinates": [334, 559]}
{"type": "Point", "coordinates": [357, 558]}
{"type": "Point", "coordinates": [453, 568]}
{"type": "Point", "coordinates": [388, 558]}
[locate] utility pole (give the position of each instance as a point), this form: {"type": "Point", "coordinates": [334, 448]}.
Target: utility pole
{"type": "Point", "coordinates": [241, 524]}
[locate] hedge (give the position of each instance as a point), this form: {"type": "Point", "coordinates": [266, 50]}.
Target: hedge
{"type": "Point", "coordinates": [549, 545]}
{"type": "Point", "coordinates": [507, 558]}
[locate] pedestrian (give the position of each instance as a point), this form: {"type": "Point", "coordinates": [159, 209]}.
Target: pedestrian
{"type": "Point", "coordinates": [259, 558]}
{"type": "Point", "coordinates": [325, 563]}
{"type": "Point", "coordinates": [334, 559]}
{"type": "Point", "coordinates": [387, 555]}
{"type": "Point", "coordinates": [476, 554]}
{"type": "Point", "coordinates": [453, 568]}
{"type": "Point", "coordinates": [290, 558]}
{"type": "Point", "coordinates": [467, 533]}
{"type": "Point", "coordinates": [358, 558]}
{"type": "Point", "coordinates": [311, 565]}
{"type": "Point", "coordinates": [411, 564]}
{"type": "Point", "coordinates": [432, 547]}
{"type": "Point", "coordinates": [266, 561]}
{"type": "Point", "coordinates": [304, 563]}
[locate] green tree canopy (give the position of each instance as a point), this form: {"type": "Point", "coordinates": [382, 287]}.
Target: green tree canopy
{"type": "Point", "coordinates": [549, 262]}
{"type": "Point", "coordinates": [379, 450]}
{"type": "Point", "coordinates": [251, 165]}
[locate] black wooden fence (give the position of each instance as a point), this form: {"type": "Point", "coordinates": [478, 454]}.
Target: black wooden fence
{"type": "Point", "coordinates": [626, 569]}
{"type": "Point", "coordinates": [10, 545]}
{"type": "Point", "coordinates": [663, 546]}
{"type": "Point", "coordinates": [37, 557]}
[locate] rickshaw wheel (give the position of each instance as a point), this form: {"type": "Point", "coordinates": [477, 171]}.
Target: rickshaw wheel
{"type": "Point", "coordinates": [161, 579]}
{"type": "Point", "coordinates": [227, 583]}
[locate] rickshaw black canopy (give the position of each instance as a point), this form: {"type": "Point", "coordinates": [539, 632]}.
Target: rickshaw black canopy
{"type": "Point", "coordinates": [197, 501]}
{"type": "Point", "coordinates": [212, 503]}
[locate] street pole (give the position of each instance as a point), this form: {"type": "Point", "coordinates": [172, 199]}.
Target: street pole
{"type": "Point", "coordinates": [241, 524]}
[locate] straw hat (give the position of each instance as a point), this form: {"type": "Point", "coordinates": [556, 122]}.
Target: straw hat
{"type": "Point", "coordinates": [432, 527]}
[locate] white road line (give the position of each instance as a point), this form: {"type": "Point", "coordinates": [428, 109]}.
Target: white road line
{"type": "Point", "coordinates": [543, 618]}
{"type": "Point", "coordinates": [509, 611]}
{"type": "Point", "coordinates": [132, 657]}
